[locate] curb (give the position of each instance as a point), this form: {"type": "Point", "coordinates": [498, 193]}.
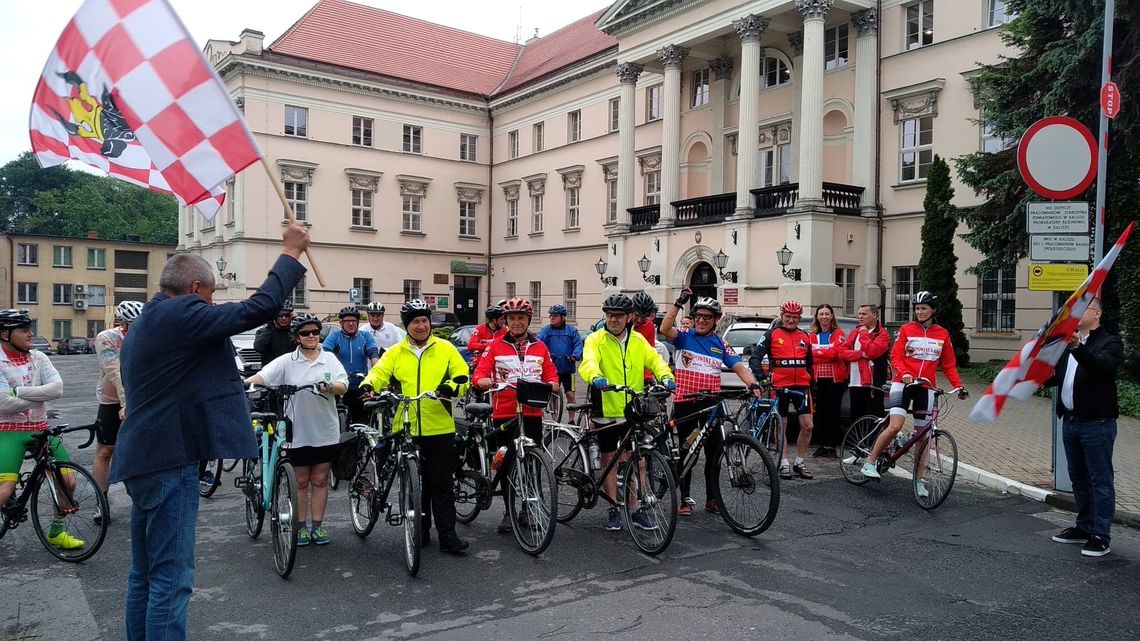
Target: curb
{"type": "Point", "coordinates": [1064, 501]}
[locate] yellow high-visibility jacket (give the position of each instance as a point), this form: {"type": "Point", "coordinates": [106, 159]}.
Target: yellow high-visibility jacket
{"type": "Point", "coordinates": [438, 363]}
{"type": "Point", "coordinates": [621, 362]}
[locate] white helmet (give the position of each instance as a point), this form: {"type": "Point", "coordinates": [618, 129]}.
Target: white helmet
{"type": "Point", "coordinates": [128, 311]}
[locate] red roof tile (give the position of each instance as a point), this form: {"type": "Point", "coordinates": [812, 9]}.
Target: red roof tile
{"type": "Point", "coordinates": [577, 41]}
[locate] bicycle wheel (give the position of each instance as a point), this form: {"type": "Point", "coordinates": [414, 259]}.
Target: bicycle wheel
{"type": "Point", "coordinates": [935, 470]}
{"type": "Point", "coordinates": [254, 512]}
{"type": "Point", "coordinates": [64, 499]}
{"type": "Point", "coordinates": [283, 520]}
{"type": "Point", "coordinates": [654, 521]}
{"type": "Point", "coordinates": [214, 468]}
{"type": "Point", "coordinates": [567, 457]}
{"type": "Point", "coordinates": [748, 489]}
{"type": "Point", "coordinates": [470, 489]}
{"type": "Point", "coordinates": [856, 447]}
{"type": "Point", "coordinates": [410, 510]}
{"type": "Point", "coordinates": [363, 499]}
{"type": "Point", "coordinates": [556, 408]}
{"type": "Point", "coordinates": [229, 467]}
{"type": "Point", "coordinates": [532, 497]}
{"type": "Point", "coordinates": [770, 435]}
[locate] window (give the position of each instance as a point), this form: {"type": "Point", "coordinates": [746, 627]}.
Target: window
{"type": "Point", "coordinates": [361, 207]}
{"type": "Point", "coordinates": [845, 279]}
{"type": "Point", "coordinates": [991, 141]}
{"type": "Point", "coordinates": [997, 291]}
{"type": "Point", "coordinates": [653, 102]}
{"type": "Point", "coordinates": [362, 131]}
{"type": "Point", "coordinates": [538, 135]}
{"type": "Point", "coordinates": [905, 286]}
{"type": "Point", "coordinates": [468, 146]}
{"type": "Point", "coordinates": [298, 296]}
{"type": "Point", "coordinates": [27, 254]}
{"type": "Point", "coordinates": [999, 14]}
{"type": "Point", "coordinates": [125, 259]}
{"type": "Point", "coordinates": [94, 327]}
{"type": "Point", "coordinates": [411, 289]}
{"type": "Point", "coordinates": [513, 144]}
{"type": "Point", "coordinates": [60, 256]}
{"type": "Point", "coordinates": [413, 139]}
{"type": "Point", "coordinates": [512, 218]}
{"type": "Point", "coordinates": [296, 121]}
{"type": "Point", "coordinates": [776, 165]}
{"type": "Point", "coordinates": [96, 295]}
{"type": "Point", "coordinates": [700, 87]}
{"type": "Point", "coordinates": [297, 194]}
{"type": "Point", "coordinates": [835, 47]}
{"type": "Point", "coordinates": [773, 72]}
{"type": "Point", "coordinates": [60, 329]}
{"type": "Point", "coordinates": [573, 196]}
{"type": "Point", "coordinates": [574, 126]}
{"type": "Point", "coordinates": [365, 287]}
{"type": "Point", "coordinates": [916, 152]}
{"type": "Point", "coordinates": [511, 289]}
{"type": "Point", "coordinates": [413, 214]}
{"type": "Point", "coordinates": [570, 299]}
{"type": "Point", "coordinates": [919, 24]}
{"type": "Point", "coordinates": [536, 214]}
{"type": "Point", "coordinates": [61, 294]}
{"type": "Point", "coordinates": [653, 188]}
{"type": "Point", "coordinates": [615, 113]}
{"type": "Point", "coordinates": [96, 258]}
{"type": "Point", "coordinates": [536, 299]}
{"type": "Point", "coordinates": [611, 201]}
{"type": "Point", "coordinates": [129, 280]}
{"type": "Point", "coordinates": [467, 219]}
{"type": "Point", "coordinates": [28, 293]}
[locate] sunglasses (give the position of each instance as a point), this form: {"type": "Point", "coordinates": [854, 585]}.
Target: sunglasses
{"type": "Point", "coordinates": [285, 315]}
{"type": "Point", "coordinates": [309, 332]}
{"type": "Point", "coordinates": [704, 316]}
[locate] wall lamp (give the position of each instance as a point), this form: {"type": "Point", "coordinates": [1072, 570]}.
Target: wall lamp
{"type": "Point", "coordinates": [221, 265]}
{"type": "Point", "coordinates": [721, 261]}
{"type": "Point", "coordinates": [601, 266]}
{"type": "Point", "coordinates": [784, 257]}
{"type": "Point", "coordinates": [643, 264]}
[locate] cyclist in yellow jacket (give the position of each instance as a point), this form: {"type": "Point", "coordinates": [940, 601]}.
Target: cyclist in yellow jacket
{"type": "Point", "coordinates": [615, 355]}
{"type": "Point", "coordinates": [423, 362]}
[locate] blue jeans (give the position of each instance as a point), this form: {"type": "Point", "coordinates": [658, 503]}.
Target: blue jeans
{"type": "Point", "coordinates": [161, 579]}
{"type": "Point", "coordinates": [1088, 447]}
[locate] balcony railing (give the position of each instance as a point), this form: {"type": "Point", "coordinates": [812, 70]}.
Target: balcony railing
{"type": "Point", "coordinates": [777, 200]}
{"type": "Point", "coordinates": [706, 209]}
{"type": "Point", "coordinates": [844, 199]}
{"type": "Point", "coordinates": [644, 218]}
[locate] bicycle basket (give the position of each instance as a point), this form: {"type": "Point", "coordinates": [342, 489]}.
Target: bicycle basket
{"type": "Point", "coordinates": [643, 408]}
{"type": "Point", "coordinates": [533, 394]}
{"type": "Point", "coordinates": [348, 456]}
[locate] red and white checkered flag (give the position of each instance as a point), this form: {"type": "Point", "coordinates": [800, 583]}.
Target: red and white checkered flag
{"type": "Point", "coordinates": [126, 90]}
{"type": "Point", "coordinates": [1034, 364]}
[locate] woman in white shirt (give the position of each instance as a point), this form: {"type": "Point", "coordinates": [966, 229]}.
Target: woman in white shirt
{"type": "Point", "coordinates": [316, 428]}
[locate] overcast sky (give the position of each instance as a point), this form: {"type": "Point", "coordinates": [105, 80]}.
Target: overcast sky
{"type": "Point", "coordinates": [29, 30]}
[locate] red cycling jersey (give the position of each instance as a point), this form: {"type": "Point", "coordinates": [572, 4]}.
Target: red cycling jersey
{"type": "Point", "coordinates": [508, 360]}
{"type": "Point", "coordinates": [789, 357]}
{"type": "Point", "coordinates": [480, 339]}
{"type": "Point", "coordinates": [920, 351]}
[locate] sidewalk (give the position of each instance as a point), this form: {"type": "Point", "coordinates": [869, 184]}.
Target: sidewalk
{"type": "Point", "coordinates": [1019, 447]}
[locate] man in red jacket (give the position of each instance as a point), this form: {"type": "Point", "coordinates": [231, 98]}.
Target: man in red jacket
{"type": "Point", "coordinates": [485, 333]}
{"type": "Point", "coordinates": [865, 352]}
{"type": "Point", "coordinates": [788, 349]}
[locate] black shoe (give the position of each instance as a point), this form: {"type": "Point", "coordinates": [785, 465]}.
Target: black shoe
{"type": "Point", "coordinates": [1096, 546]}
{"type": "Point", "coordinates": [505, 527]}
{"type": "Point", "coordinates": [452, 544]}
{"type": "Point", "coordinates": [801, 471]}
{"type": "Point", "coordinates": [1071, 535]}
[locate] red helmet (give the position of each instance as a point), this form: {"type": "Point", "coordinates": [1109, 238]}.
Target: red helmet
{"type": "Point", "coordinates": [791, 307]}
{"type": "Point", "coordinates": [518, 306]}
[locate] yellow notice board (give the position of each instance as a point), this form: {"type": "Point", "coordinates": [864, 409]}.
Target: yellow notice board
{"type": "Point", "coordinates": [1047, 277]}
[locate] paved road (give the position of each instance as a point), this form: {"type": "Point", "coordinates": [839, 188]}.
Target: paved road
{"type": "Point", "coordinates": [841, 562]}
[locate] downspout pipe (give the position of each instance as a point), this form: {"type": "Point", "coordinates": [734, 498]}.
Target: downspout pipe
{"type": "Point", "coordinates": [490, 199]}
{"type": "Point", "coordinates": [878, 156]}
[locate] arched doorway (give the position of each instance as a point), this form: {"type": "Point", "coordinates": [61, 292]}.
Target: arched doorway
{"type": "Point", "coordinates": [703, 281]}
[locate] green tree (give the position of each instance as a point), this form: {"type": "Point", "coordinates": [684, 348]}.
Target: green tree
{"type": "Point", "coordinates": [938, 267]}
{"type": "Point", "coordinates": [1056, 71]}
{"type": "Point", "coordinates": [20, 181]}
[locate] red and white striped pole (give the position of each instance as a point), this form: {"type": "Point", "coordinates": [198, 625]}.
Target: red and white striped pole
{"type": "Point", "coordinates": [1102, 138]}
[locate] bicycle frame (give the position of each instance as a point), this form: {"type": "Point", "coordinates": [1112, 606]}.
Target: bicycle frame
{"type": "Point", "coordinates": [716, 415]}
{"type": "Point", "coordinates": [920, 434]}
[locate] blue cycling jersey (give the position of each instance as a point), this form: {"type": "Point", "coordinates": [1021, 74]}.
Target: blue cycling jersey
{"type": "Point", "coordinates": [564, 344]}
{"type": "Point", "coordinates": [353, 351]}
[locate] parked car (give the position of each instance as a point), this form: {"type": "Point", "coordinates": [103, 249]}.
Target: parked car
{"type": "Point", "coordinates": [90, 345]}
{"type": "Point", "coordinates": [73, 345]}
{"type": "Point", "coordinates": [444, 319]}
{"type": "Point", "coordinates": [459, 338]}
{"type": "Point", "coordinates": [244, 344]}
{"type": "Point", "coordinates": [42, 344]}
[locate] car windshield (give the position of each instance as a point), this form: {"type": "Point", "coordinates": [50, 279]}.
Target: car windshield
{"type": "Point", "coordinates": [460, 336]}
{"type": "Point", "coordinates": [738, 339]}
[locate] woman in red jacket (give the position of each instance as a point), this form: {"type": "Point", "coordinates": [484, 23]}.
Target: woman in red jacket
{"type": "Point", "coordinates": [830, 379]}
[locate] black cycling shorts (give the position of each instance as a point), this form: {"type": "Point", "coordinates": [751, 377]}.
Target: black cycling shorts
{"type": "Point", "coordinates": [313, 455]}
{"type": "Point", "coordinates": [107, 424]}
{"type": "Point", "coordinates": [566, 380]}
{"type": "Point", "coordinates": [798, 404]}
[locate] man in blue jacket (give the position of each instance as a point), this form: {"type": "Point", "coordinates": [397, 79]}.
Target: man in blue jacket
{"type": "Point", "coordinates": [358, 352]}
{"type": "Point", "coordinates": [185, 404]}
{"type": "Point", "coordinates": [565, 346]}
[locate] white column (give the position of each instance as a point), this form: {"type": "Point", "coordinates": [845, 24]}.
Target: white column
{"type": "Point", "coordinates": [863, 157]}
{"type": "Point", "coordinates": [811, 105]}
{"type": "Point", "coordinates": [673, 57]}
{"type": "Point", "coordinates": [749, 29]}
{"type": "Point", "coordinates": [627, 73]}
{"type": "Point", "coordinates": [722, 77]}
{"type": "Point", "coordinates": [796, 40]}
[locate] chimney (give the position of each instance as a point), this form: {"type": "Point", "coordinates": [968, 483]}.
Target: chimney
{"type": "Point", "coordinates": [532, 38]}
{"type": "Point", "coordinates": [92, 235]}
{"type": "Point", "coordinates": [251, 41]}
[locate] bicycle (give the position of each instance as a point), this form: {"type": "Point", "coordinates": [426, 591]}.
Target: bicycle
{"type": "Point", "coordinates": [576, 470]}
{"type": "Point", "coordinates": [473, 462]}
{"type": "Point", "coordinates": [760, 417]}
{"type": "Point", "coordinates": [214, 467]}
{"type": "Point", "coordinates": [52, 496]}
{"type": "Point", "coordinates": [744, 470]}
{"type": "Point", "coordinates": [935, 460]}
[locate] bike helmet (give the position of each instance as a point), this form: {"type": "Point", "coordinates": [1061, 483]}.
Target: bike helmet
{"type": "Point", "coordinates": [644, 305]}
{"type": "Point", "coordinates": [791, 307]}
{"type": "Point", "coordinates": [558, 309]}
{"type": "Point", "coordinates": [413, 309]}
{"type": "Point", "coordinates": [302, 320]}
{"type": "Point", "coordinates": [709, 304]}
{"type": "Point", "coordinates": [519, 306]}
{"type": "Point", "coordinates": [924, 298]}
{"type": "Point", "coordinates": [494, 311]}
{"type": "Point", "coordinates": [349, 311]}
{"type": "Point", "coordinates": [617, 303]}
{"type": "Point", "coordinates": [128, 311]}
{"type": "Point", "coordinates": [14, 319]}
{"type": "Point", "coordinates": [287, 306]}
{"type": "Point", "coordinates": [374, 308]}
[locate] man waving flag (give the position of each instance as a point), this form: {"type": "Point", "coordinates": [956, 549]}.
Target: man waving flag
{"type": "Point", "coordinates": [1034, 364]}
{"type": "Point", "coordinates": [126, 91]}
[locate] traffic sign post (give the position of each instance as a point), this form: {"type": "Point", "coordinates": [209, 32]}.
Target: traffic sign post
{"type": "Point", "coordinates": [1059, 247]}
{"type": "Point", "coordinates": [1057, 218]}
{"type": "Point", "coordinates": [1053, 277]}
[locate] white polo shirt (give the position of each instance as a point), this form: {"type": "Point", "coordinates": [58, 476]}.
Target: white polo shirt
{"type": "Point", "coordinates": [315, 422]}
{"type": "Point", "coordinates": [387, 336]}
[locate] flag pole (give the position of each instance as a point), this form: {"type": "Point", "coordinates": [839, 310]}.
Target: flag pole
{"type": "Point", "coordinates": [292, 217]}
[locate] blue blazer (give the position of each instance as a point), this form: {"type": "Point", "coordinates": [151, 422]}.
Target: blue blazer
{"type": "Point", "coordinates": [185, 399]}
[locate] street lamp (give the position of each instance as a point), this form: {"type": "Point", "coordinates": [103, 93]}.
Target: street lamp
{"type": "Point", "coordinates": [600, 266]}
{"type": "Point", "coordinates": [221, 265]}
{"type": "Point", "coordinates": [784, 257]}
{"type": "Point", "coordinates": [643, 264]}
{"type": "Point", "coordinates": [721, 261]}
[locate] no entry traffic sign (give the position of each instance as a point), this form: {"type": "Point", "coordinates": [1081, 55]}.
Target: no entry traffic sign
{"type": "Point", "coordinates": [1057, 157]}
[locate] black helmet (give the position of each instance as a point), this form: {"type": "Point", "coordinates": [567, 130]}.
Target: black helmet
{"type": "Point", "coordinates": [349, 311]}
{"type": "Point", "coordinates": [494, 311]}
{"type": "Point", "coordinates": [287, 306]}
{"type": "Point", "coordinates": [710, 304]}
{"type": "Point", "coordinates": [644, 305]}
{"type": "Point", "coordinates": [617, 303]}
{"type": "Point", "coordinates": [375, 307]}
{"type": "Point", "coordinates": [924, 298]}
{"type": "Point", "coordinates": [412, 310]}
{"type": "Point", "coordinates": [302, 320]}
{"type": "Point", "coordinates": [15, 319]}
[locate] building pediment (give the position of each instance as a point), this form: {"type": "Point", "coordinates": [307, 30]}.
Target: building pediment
{"type": "Point", "coordinates": [914, 101]}
{"type": "Point", "coordinates": [622, 17]}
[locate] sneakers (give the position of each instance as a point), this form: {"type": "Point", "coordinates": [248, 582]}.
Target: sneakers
{"type": "Point", "coordinates": [1095, 546]}
{"type": "Point", "coordinates": [688, 500]}
{"type": "Point", "coordinates": [801, 471]}
{"type": "Point", "coordinates": [505, 527]}
{"type": "Point", "coordinates": [920, 489]}
{"type": "Point", "coordinates": [207, 479]}
{"type": "Point", "coordinates": [641, 520]}
{"type": "Point", "coordinates": [65, 541]}
{"type": "Point", "coordinates": [710, 507]}
{"type": "Point", "coordinates": [452, 544]}
{"type": "Point", "coordinates": [1071, 535]}
{"type": "Point", "coordinates": [303, 537]}
{"type": "Point", "coordinates": [870, 470]}
{"type": "Point", "coordinates": [684, 509]}
{"type": "Point", "coordinates": [785, 471]}
{"type": "Point", "coordinates": [613, 521]}
{"type": "Point", "coordinates": [319, 536]}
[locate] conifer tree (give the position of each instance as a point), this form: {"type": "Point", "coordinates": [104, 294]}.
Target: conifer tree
{"type": "Point", "coordinates": [938, 266]}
